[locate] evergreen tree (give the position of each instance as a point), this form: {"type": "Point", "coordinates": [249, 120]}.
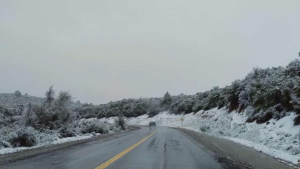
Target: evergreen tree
{"type": "Point", "coordinates": [167, 100]}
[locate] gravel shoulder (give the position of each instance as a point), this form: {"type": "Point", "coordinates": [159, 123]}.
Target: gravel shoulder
{"type": "Point", "coordinates": [11, 157]}
{"type": "Point", "coordinates": [233, 155]}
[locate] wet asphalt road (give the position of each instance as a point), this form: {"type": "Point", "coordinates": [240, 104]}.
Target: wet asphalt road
{"type": "Point", "coordinates": [168, 148]}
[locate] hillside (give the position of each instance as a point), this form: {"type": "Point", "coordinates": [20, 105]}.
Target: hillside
{"type": "Point", "coordinates": [27, 121]}
{"type": "Point", "coordinates": [263, 94]}
{"type": "Point", "coordinates": [10, 100]}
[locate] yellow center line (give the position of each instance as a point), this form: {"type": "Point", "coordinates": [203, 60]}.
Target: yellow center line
{"type": "Point", "coordinates": [115, 158]}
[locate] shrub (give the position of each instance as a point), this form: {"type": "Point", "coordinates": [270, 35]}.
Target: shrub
{"type": "Point", "coordinates": [295, 151]}
{"type": "Point", "coordinates": [204, 128]}
{"type": "Point", "coordinates": [63, 98]}
{"type": "Point", "coordinates": [67, 132]}
{"type": "Point", "coordinates": [167, 100]}
{"type": "Point", "coordinates": [55, 112]}
{"type": "Point", "coordinates": [95, 127]}
{"type": "Point", "coordinates": [233, 96]}
{"type": "Point", "coordinates": [28, 116]}
{"type": "Point", "coordinates": [18, 93]}
{"type": "Point", "coordinates": [120, 122]}
{"type": "Point", "coordinates": [152, 113]}
{"type": "Point", "coordinates": [44, 117]}
{"type": "Point", "coordinates": [293, 69]}
{"type": "Point", "coordinates": [4, 144]}
{"type": "Point", "coordinates": [23, 137]}
{"type": "Point", "coordinates": [50, 95]}
{"type": "Point", "coordinates": [297, 120]}
{"type": "Point", "coordinates": [266, 116]}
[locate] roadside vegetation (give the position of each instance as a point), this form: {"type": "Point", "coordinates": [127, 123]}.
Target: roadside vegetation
{"type": "Point", "coordinates": [263, 94]}
{"type": "Point", "coordinates": [45, 120]}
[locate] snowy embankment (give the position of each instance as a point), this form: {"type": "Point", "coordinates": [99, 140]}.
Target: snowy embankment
{"type": "Point", "coordinates": [56, 141]}
{"type": "Point", "coordinates": [86, 128]}
{"type": "Point", "coordinates": [279, 139]}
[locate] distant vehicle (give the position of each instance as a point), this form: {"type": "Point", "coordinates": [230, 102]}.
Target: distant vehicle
{"type": "Point", "coordinates": [152, 124]}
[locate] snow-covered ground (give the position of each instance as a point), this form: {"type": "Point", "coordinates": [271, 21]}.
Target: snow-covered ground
{"type": "Point", "coordinates": [49, 143]}
{"type": "Point", "coordinates": [48, 138]}
{"type": "Point", "coordinates": [279, 139]}
{"type": "Point", "coordinates": [9, 100]}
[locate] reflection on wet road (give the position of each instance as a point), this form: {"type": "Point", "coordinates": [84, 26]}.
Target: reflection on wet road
{"type": "Point", "coordinates": [165, 149]}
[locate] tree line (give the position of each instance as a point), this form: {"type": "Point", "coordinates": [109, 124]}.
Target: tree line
{"type": "Point", "coordinates": [263, 94]}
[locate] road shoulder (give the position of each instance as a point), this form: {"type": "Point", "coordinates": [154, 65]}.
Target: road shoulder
{"type": "Point", "coordinates": [232, 155]}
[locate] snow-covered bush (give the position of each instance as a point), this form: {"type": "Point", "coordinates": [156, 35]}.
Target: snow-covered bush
{"type": "Point", "coordinates": [28, 116]}
{"type": "Point", "coordinates": [18, 93]}
{"type": "Point", "coordinates": [204, 128]}
{"type": "Point", "coordinates": [233, 93]}
{"type": "Point", "coordinates": [167, 101]}
{"type": "Point", "coordinates": [22, 137]}
{"type": "Point", "coordinates": [50, 96]}
{"type": "Point", "coordinates": [120, 122]}
{"type": "Point", "coordinates": [293, 69]}
{"type": "Point", "coordinates": [5, 116]}
{"type": "Point", "coordinates": [54, 113]}
{"type": "Point", "coordinates": [94, 127]}
{"type": "Point", "coordinates": [38, 121]}
{"type": "Point", "coordinates": [67, 132]}
{"type": "Point", "coordinates": [4, 144]}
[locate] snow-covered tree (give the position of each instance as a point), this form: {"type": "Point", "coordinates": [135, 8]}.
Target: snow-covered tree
{"type": "Point", "coordinates": [18, 93]}
{"type": "Point", "coordinates": [293, 69]}
{"type": "Point", "coordinates": [167, 100]}
{"type": "Point", "coordinates": [50, 95]}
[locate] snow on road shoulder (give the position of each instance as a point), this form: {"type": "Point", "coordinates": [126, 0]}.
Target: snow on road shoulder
{"type": "Point", "coordinates": [277, 138]}
{"type": "Point", "coordinates": [49, 138]}
{"type": "Point", "coordinates": [266, 150]}
{"type": "Point", "coordinates": [59, 141]}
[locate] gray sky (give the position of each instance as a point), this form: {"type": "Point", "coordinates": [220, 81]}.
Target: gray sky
{"type": "Point", "coordinates": [103, 50]}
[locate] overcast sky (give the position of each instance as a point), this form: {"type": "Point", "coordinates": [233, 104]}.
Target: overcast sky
{"type": "Point", "coordinates": [106, 50]}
